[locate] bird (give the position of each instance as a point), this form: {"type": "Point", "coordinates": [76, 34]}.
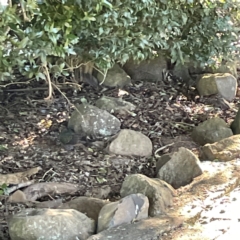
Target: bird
{"type": "Point", "coordinates": [68, 137]}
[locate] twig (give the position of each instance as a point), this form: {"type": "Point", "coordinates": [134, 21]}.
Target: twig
{"type": "Point", "coordinates": [62, 93]}
{"type": "Point", "coordinates": [41, 88]}
{"type": "Point", "coordinates": [69, 102]}
{"type": "Point", "coordinates": [161, 148]}
{"type": "Point", "coordinates": [25, 17]}
{"type": "Point", "coordinates": [9, 84]}
{"type": "Point", "coordinates": [103, 73]}
{"type": "Point", "coordinates": [5, 109]}
{"type": "Point", "coordinates": [71, 67]}
{"type": "Point", "coordinates": [71, 83]}
{"type": "Point", "coordinates": [104, 77]}
{"type": "Point", "coordinates": [25, 89]}
{"type": "Point", "coordinates": [183, 123]}
{"type": "Point", "coordinates": [50, 170]}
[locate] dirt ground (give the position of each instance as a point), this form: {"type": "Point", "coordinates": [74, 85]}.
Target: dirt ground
{"type": "Point", "coordinates": [30, 127]}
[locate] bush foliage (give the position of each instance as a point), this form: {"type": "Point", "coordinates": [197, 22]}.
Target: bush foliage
{"type": "Point", "coordinates": [58, 35]}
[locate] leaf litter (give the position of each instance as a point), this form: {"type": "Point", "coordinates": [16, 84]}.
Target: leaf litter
{"type": "Point", "coordinates": [30, 128]}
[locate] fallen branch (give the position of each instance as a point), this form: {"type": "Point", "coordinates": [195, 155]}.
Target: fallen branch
{"type": "Point", "coordinates": [17, 186]}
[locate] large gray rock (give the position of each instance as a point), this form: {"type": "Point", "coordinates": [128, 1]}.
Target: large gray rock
{"type": "Point", "coordinates": [147, 229]}
{"type": "Point", "coordinates": [131, 208]}
{"type": "Point", "coordinates": [116, 77]}
{"type": "Point", "coordinates": [51, 224]}
{"type": "Point", "coordinates": [150, 70]}
{"type": "Point", "coordinates": [211, 130]}
{"type": "Point", "coordinates": [180, 169]}
{"type": "Point", "coordinates": [131, 143]}
{"type": "Point", "coordinates": [224, 84]}
{"type": "Point", "coordinates": [159, 193]}
{"type": "Point", "coordinates": [88, 120]}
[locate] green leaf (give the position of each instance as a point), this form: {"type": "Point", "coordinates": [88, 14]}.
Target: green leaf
{"type": "Point", "coordinates": [5, 62]}
{"type": "Point", "coordinates": [106, 4]}
{"type": "Point", "coordinates": [24, 42]}
{"type": "Point", "coordinates": [3, 147]}
{"type": "Point", "coordinates": [40, 75]}
{"type": "Point", "coordinates": [101, 179]}
{"type": "Point", "coordinates": [3, 189]}
{"type": "Point", "coordinates": [53, 38]}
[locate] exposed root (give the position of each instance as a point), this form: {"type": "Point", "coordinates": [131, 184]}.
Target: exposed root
{"type": "Point", "coordinates": [50, 88]}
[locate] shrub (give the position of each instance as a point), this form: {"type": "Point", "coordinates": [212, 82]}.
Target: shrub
{"type": "Point", "coordinates": [56, 36]}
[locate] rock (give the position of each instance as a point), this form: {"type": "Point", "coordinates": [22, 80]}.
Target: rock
{"type": "Point", "coordinates": [180, 169]}
{"type": "Point", "coordinates": [116, 77]}
{"type": "Point", "coordinates": [115, 105]}
{"type": "Point", "coordinates": [210, 131]}
{"type": "Point", "coordinates": [131, 208]}
{"type": "Point", "coordinates": [227, 86]}
{"type": "Point", "coordinates": [147, 229]}
{"type": "Point", "coordinates": [131, 143]}
{"type": "Point", "coordinates": [223, 84]}
{"type": "Point", "coordinates": [225, 150]}
{"type": "Point", "coordinates": [88, 120]}
{"type": "Point", "coordinates": [207, 85]}
{"type": "Point", "coordinates": [235, 125]}
{"type": "Point", "coordinates": [162, 161]}
{"type": "Point", "coordinates": [150, 70]}
{"type": "Point", "coordinates": [17, 197]}
{"type": "Point", "coordinates": [87, 205]}
{"type": "Point", "coordinates": [61, 224]}
{"type": "Point", "coordinates": [159, 193]}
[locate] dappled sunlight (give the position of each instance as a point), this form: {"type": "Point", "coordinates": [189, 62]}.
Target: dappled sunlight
{"type": "Point", "coordinates": [43, 127]}
{"type": "Point", "coordinates": [223, 217]}
{"type": "Point", "coordinates": [211, 202]}
{"type": "Point", "coordinates": [25, 142]}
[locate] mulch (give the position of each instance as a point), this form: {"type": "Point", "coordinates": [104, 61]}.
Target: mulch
{"type": "Point", "coordinates": [30, 127]}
